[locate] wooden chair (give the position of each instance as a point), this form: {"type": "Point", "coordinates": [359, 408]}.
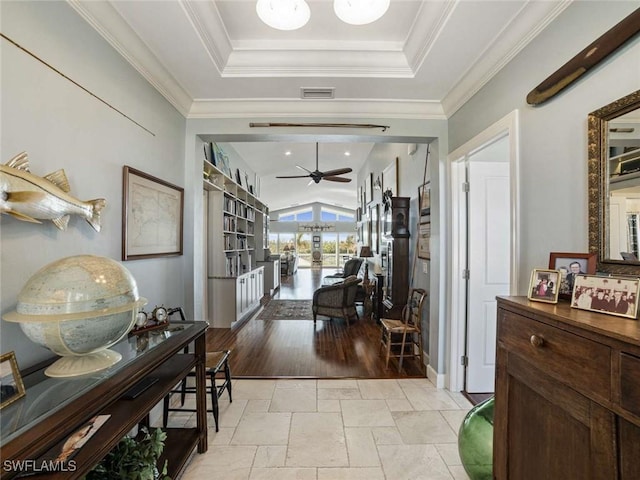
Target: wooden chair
{"type": "Point", "coordinates": [215, 363]}
{"type": "Point", "coordinates": [408, 326]}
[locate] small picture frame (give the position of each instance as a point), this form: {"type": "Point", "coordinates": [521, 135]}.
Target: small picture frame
{"type": "Point", "coordinates": [316, 238]}
{"type": "Point", "coordinates": [570, 265]}
{"type": "Point", "coordinates": [424, 241]}
{"type": "Point", "coordinates": [544, 285]}
{"type": "Point", "coordinates": [610, 295]}
{"type": "Point", "coordinates": [11, 386]}
{"type": "Point", "coordinates": [424, 197]}
{"type": "Point", "coordinates": [316, 245]}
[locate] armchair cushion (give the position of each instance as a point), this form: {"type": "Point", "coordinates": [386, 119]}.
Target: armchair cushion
{"type": "Point", "coordinates": [337, 300]}
{"type": "Point", "coordinates": [351, 267]}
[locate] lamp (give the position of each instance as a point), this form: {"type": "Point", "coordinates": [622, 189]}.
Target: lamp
{"type": "Point", "coordinates": [365, 252]}
{"type": "Point", "coordinates": [360, 12]}
{"type": "Point", "coordinates": [283, 14]}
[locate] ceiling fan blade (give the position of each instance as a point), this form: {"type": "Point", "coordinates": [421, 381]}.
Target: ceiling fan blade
{"type": "Point", "coordinates": [302, 168]}
{"type": "Point", "coordinates": [294, 176]}
{"type": "Point", "coordinates": [337, 179]}
{"type": "Point", "coordinates": [339, 171]}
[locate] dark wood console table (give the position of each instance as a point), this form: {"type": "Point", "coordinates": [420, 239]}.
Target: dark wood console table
{"type": "Point", "coordinates": [54, 408]}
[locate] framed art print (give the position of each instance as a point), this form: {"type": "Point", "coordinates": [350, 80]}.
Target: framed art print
{"type": "Point", "coordinates": [570, 265]}
{"type": "Point", "coordinates": [611, 295]}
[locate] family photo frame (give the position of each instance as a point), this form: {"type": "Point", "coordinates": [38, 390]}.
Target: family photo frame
{"type": "Point", "coordinates": [544, 285]}
{"type": "Point", "coordinates": [11, 386]}
{"type": "Point", "coordinates": [570, 265]}
{"type": "Point", "coordinates": [610, 295]}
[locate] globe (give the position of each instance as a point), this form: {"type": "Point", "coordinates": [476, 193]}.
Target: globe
{"type": "Point", "coordinates": [78, 307]}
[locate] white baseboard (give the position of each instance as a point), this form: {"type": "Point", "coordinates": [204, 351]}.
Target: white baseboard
{"type": "Point", "coordinates": [438, 379]}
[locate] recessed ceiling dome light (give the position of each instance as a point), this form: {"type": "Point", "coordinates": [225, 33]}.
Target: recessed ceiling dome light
{"type": "Point", "coordinates": [283, 14]}
{"type": "Point", "coordinates": [360, 12]}
{"type": "Point", "coordinates": [347, 153]}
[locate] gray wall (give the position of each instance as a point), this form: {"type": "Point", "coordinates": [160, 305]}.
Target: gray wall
{"type": "Point", "coordinates": [553, 136]}
{"type": "Point", "coordinates": [63, 127]}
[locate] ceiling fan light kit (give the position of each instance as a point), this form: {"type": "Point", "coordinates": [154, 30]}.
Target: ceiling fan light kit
{"type": "Point", "coordinates": [317, 175]}
{"type": "Point", "coordinates": [284, 14]}
{"type": "Point", "coordinates": [294, 14]}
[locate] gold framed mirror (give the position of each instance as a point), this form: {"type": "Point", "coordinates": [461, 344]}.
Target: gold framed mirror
{"type": "Point", "coordinates": [614, 185]}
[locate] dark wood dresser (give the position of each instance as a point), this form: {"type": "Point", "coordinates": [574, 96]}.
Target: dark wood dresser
{"type": "Point", "coordinates": [567, 393]}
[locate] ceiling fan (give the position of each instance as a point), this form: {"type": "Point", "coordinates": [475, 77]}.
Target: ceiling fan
{"type": "Point", "coordinates": [317, 175]}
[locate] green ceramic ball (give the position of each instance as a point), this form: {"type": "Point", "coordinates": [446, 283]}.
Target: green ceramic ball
{"type": "Point", "coordinates": [475, 441]}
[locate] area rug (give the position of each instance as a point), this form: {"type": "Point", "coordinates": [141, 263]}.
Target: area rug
{"type": "Point", "coordinates": [287, 310]}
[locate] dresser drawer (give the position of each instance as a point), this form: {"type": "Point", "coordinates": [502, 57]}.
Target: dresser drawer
{"type": "Point", "coordinates": [630, 383]}
{"type": "Point", "coordinates": [578, 362]}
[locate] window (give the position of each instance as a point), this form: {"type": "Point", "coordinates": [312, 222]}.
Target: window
{"type": "Point", "coordinates": [299, 216]}
{"type": "Point", "coordinates": [333, 215]}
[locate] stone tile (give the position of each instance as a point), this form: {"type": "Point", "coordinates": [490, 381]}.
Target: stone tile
{"type": "Point", "coordinates": [329, 405]}
{"type": "Point", "coordinates": [386, 436]}
{"type": "Point", "coordinates": [296, 383]}
{"type": "Point", "coordinates": [294, 400]}
{"type": "Point", "coordinates": [404, 462]}
{"type": "Point", "coordinates": [179, 419]}
{"type": "Point", "coordinates": [222, 437]}
{"type": "Point", "coordinates": [229, 415]}
{"type": "Point", "coordinates": [262, 429]}
{"type": "Point", "coordinates": [449, 453]}
{"type": "Point", "coordinates": [454, 418]}
{"type": "Point", "coordinates": [416, 382]}
{"type": "Point", "coordinates": [361, 447]}
{"type": "Point", "coordinates": [425, 399]}
{"type": "Point", "coordinates": [339, 394]}
{"type": "Point", "coordinates": [423, 427]}
{"type": "Point", "coordinates": [317, 440]}
{"type": "Point", "coordinates": [222, 461]}
{"type": "Point", "coordinates": [337, 384]}
{"type": "Point", "coordinates": [462, 401]}
{"type": "Point", "coordinates": [283, 474]}
{"type": "Point", "coordinates": [269, 456]}
{"type": "Point", "coordinates": [370, 473]}
{"type": "Point", "coordinates": [253, 389]}
{"type": "Point", "coordinates": [399, 405]}
{"type": "Point", "coordinates": [366, 413]}
{"type": "Point", "coordinates": [459, 473]}
{"type": "Point", "coordinates": [258, 406]}
{"type": "Point", "coordinates": [380, 389]}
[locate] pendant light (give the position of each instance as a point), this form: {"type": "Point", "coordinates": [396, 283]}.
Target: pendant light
{"type": "Point", "coordinates": [283, 14]}
{"type": "Point", "coordinates": [360, 12]}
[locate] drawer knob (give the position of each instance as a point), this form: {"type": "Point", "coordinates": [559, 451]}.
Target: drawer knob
{"type": "Point", "coordinates": [536, 341]}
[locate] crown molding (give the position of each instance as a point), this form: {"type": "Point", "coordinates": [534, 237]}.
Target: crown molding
{"type": "Point", "coordinates": [532, 18]}
{"type": "Point", "coordinates": [111, 26]}
{"type": "Point", "coordinates": [288, 107]}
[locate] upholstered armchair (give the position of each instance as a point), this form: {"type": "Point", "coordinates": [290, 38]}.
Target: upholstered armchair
{"type": "Point", "coordinates": [337, 300]}
{"type": "Point", "coordinates": [351, 267]}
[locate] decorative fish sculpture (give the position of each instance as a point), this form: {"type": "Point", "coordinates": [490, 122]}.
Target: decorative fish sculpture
{"type": "Point", "coordinates": [30, 198]}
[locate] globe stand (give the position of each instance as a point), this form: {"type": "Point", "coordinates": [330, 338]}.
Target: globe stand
{"type": "Point", "coordinates": [76, 365]}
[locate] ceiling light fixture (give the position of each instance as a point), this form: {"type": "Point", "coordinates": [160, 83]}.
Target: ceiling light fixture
{"type": "Point", "coordinates": [283, 14]}
{"type": "Point", "coordinates": [360, 12]}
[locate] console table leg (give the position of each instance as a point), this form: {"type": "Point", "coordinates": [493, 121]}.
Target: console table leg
{"type": "Point", "coordinates": [201, 396]}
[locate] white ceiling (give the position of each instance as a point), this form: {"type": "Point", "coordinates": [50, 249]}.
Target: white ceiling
{"type": "Point", "coordinates": [215, 58]}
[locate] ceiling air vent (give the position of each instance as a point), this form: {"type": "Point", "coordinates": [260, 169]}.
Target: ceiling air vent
{"type": "Point", "coordinates": [314, 93]}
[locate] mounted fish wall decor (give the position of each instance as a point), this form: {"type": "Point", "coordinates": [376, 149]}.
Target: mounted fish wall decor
{"type": "Point", "coordinates": [30, 198]}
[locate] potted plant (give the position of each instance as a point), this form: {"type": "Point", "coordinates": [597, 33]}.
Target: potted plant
{"type": "Point", "coordinates": [133, 459]}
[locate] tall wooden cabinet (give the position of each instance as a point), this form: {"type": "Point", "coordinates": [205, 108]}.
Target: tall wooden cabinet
{"type": "Point", "coordinates": [396, 254]}
{"type": "Point", "coordinates": [237, 230]}
{"type": "Point", "coordinates": [567, 393]}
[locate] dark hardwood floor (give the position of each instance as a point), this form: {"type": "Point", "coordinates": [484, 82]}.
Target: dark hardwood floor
{"type": "Point", "coordinates": [297, 348]}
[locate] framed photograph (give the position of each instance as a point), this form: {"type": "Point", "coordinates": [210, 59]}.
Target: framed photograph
{"type": "Point", "coordinates": [152, 216]}
{"type": "Point", "coordinates": [611, 295]}
{"type": "Point", "coordinates": [370, 188]}
{"type": "Point", "coordinates": [11, 386]}
{"type": "Point", "coordinates": [316, 238]}
{"type": "Point", "coordinates": [316, 245]}
{"type": "Point", "coordinates": [374, 211]}
{"type": "Point", "coordinates": [424, 241]}
{"type": "Point", "coordinates": [569, 265]}
{"type": "Point", "coordinates": [544, 285]}
{"type": "Point", "coordinates": [424, 197]}
{"type": "Point", "coordinates": [390, 178]}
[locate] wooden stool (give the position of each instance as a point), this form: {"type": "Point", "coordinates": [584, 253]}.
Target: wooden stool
{"type": "Point", "coordinates": [216, 362]}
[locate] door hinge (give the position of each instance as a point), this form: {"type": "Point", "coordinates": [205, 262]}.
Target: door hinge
{"type": "Point", "coordinates": [465, 186]}
{"type": "Point", "coordinates": [465, 274]}
{"type": "Point", "coordinates": [464, 361]}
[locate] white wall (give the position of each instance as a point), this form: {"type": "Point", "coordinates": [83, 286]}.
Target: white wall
{"type": "Point", "coordinates": [61, 126]}
{"type": "Point", "coordinates": [553, 136]}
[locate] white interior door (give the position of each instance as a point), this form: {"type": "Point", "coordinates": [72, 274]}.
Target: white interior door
{"type": "Point", "coordinates": [489, 233]}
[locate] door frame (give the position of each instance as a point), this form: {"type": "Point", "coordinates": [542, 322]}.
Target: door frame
{"type": "Point", "coordinates": [457, 259]}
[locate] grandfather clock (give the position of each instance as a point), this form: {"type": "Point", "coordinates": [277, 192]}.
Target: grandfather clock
{"type": "Point", "coordinates": [396, 266]}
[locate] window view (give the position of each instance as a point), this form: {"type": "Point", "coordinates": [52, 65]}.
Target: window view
{"type": "Point", "coordinates": [299, 216]}
{"type": "Point", "coordinates": [329, 250]}
{"type": "Point", "coordinates": [303, 242]}
{"type": "Point", "coordinates": [333, 216]}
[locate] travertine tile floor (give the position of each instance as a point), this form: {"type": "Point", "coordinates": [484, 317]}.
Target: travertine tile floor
{"type": "Point", "coordinates": [332, 430]}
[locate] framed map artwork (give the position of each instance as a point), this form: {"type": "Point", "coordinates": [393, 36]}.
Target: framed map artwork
{"type": "Point", "coordinates": [152, 218]}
